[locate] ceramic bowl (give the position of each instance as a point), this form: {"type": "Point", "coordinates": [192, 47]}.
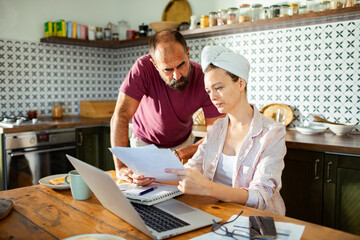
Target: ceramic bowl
{"type": "Point", "coordinates": [164, 26]}
{"type": "Point", "coordinates": [341, 129]}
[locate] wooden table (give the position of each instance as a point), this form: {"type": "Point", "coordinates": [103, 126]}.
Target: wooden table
{"type": "Point", "coordinates": [43, 213]}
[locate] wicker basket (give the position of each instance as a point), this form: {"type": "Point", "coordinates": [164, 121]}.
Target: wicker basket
{"type": "Point", "coordinates": [199, 118]}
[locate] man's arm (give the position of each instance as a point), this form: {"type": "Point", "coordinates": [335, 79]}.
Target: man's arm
{"type": "Point", "coordinates": [188, 151]}
{"type": "Point", "coordinates": [119, 135]}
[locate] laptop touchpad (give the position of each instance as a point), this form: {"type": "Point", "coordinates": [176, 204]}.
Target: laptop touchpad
{"type": "Point", "coordinates": [178, 208]}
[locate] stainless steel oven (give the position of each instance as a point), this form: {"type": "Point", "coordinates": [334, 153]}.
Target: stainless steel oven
{"type": "Point", "coordinates": [29, 156]}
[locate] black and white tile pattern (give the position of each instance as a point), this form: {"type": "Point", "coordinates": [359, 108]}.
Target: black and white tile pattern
{"type": "Point", "coordinates": [313, 69]}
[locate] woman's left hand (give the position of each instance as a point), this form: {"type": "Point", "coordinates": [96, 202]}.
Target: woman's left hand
{"type": "Point", "coordinates": [191, 181]}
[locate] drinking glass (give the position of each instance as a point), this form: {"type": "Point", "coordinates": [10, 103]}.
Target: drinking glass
{"type": "Point", "coordinates": [281, 116]}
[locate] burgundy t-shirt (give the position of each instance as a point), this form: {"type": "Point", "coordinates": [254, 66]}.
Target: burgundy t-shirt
{"type": "Point", "coordinates": [164, 116]}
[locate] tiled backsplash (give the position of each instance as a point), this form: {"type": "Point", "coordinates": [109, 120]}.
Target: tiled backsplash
{"type": "Point", "coordinates": [313, 69]}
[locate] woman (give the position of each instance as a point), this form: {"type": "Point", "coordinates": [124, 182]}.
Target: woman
{"type": "Point", "coordinates": [241, 158]}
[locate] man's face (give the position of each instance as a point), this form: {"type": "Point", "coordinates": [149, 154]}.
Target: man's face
{"type": "Point", "coordinates": [173, 65]}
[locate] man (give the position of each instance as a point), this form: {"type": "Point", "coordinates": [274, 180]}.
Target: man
{"type": "Point", "coordinates": [161, 93]}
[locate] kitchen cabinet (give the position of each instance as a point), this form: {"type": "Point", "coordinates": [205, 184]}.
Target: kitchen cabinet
{"type": "Point", "coordinates": [323, 188]}
{"type": "Point", "coordinates": [333, 15]}
{"type": "Point", "coordinates": [92, 145]}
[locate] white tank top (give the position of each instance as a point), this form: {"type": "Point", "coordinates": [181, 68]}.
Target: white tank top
{"type": "Point", "coordinates": [225, 168]}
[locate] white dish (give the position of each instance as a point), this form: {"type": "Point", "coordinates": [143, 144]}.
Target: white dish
{"type": "Point", "coordinates": [97, 236]}
{"type": "Point", "coordinates": [45, 181]}
{"type": "Point", "coordinates": [341, 129]}
{"type": "Point", "coordinates": [310, 129]}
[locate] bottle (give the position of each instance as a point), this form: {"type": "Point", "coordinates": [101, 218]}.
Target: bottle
{"type": "Point", "coordinates": [123, 26]}
{"type": "Point", "coordinates": [257, 12]}
{"type": "Point", "coordinates": [324, 5]}
{"type": "Point", "coordinates": [222, 17]}
{"type": "Point", "coordinates": [57, 110]}
{"type": "Point", "coordinates": [335, 4]}
{"type": "Point", "coordinates": [143, 30]}
{"type": "Point", "coordinates": [107, 34]}
{"type": "Point", "coordinates": [99, 33]}
{"type": "Point", "coordinates": [274, 11]}
{"type": "Point", "coordinates": [212, 19]}
{"type": "Point", "coordinates": [233, 15]}
{"type": "Point", "coordinates": [285, 10]}
{"type": "Point", "coordinates": [295, 8]}
{"type": "Point", "coordinates": [204, 21]}
{"type": "Point", "coordinates": [245, 13]}
{"type": "Point", "coordinates": [115, 37]}
{"type": "Point", "coordinates": [193, 23]}
{"type": "Point", "coordinates": [302, 9]}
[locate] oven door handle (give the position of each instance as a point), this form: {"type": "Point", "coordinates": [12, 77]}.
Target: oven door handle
{"type": "Point", "coordinates": [42, 151]}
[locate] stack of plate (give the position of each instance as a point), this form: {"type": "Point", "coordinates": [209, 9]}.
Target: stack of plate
{"type": "Point", "coordinates": [311, 129]}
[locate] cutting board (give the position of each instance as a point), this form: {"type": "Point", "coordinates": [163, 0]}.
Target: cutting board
{"type": "Point", "coordinates": [177, 11]}
{"type": "Point", "coordinates": [6, 206]}
{"type": "Point", "coordinates": [97, 108]}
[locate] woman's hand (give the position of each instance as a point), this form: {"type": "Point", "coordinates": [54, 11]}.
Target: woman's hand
{"type": "Point", "coordinates": [128, 175]}
{"type": "Point", "coordinates": [192, 181]}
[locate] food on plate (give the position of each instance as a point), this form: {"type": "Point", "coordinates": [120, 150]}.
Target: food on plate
{"type": "Point", "coordinates": [57, 181]}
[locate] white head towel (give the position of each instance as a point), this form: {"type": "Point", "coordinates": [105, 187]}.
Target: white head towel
{"type": "Point", "coordinates": [226, 59]}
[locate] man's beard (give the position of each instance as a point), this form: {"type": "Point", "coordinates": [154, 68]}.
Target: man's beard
{"type": "Point", "coordinates": [180, 87]}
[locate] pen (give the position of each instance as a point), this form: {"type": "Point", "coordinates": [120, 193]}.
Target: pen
{"type": "Point", "coordinates": [147, 191]}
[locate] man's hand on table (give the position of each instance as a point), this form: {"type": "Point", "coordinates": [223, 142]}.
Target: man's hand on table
{"type": "Point", "coordinates": [128, 175]}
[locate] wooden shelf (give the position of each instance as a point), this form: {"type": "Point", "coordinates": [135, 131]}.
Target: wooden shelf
{"type": "Point", "coordinates": [310, 18]}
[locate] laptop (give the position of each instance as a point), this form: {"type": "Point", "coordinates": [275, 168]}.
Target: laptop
{"type": "Point", "coordinates": [147, 219]}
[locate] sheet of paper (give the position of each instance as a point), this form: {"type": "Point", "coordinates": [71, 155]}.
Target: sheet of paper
{"type": "Point", "coordinates": [285, 231]}
{"type": "Point", "coordinates": [149, 161]}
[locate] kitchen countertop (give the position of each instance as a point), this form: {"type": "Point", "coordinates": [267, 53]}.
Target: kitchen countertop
{"type": "Point", "coordinates": [69, 121]}
{"type": "Point", "coordinates": [324, 142]}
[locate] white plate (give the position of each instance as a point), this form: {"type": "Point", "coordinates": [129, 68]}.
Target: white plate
{"type": "Point", "coordinates": [311, 129]}
{"type": "Point", "coordinates": [97, 236]}
{"type": "Point", "coordinates": [46, 182]}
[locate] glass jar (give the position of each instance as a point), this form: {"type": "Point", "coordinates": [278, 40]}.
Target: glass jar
{"type": "Point", "coordinates": [266, 12]}
{"type": "Point", "coordinates": [204, 21]}
{"type": "Point", "coordinates": [295, 8]}
{"type": "Point", "coordinates": [335, 4]}
{"type": "Point", "coordinates": [285, 11]}
{"type": "Point", "coordinates": [57, 110]}
{"type": "Point", "coordinates": [274, 11]}
{"type": "Point", "coordinates": [222, 17]}
{"type": "Point", "coordinates": [257, 12]}
{"type": "Point", "coordinates": [233, 15]}
{"type": "Point", "coordinates": [115, 37]}
{"type": "Point", "coordinates": [302, 9]}
{"type": "Point", "coordinates": [349, 3]}
{"type": "Point", "coordinates": [245, 13]}
{"type": "Point", "coordinates": [311, 6]}
{"type": "Point", "coordinates": [107, 34]}
{"type": "Point", "coordinates": [212, 19]}
{"type": "Point", "coordinates": [98, 33]}
{"type": "Point", "coordinates": [325, 5]}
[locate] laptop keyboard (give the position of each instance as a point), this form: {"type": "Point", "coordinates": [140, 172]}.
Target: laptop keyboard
{"type": "Point", "coordinates": [157, 219]}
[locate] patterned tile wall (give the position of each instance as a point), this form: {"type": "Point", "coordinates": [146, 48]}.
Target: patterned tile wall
{"type": "Point", "coordinates": [313, 69]}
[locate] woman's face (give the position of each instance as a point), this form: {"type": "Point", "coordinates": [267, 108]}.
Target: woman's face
{"type": "Point", "coordinates": [224, 93]}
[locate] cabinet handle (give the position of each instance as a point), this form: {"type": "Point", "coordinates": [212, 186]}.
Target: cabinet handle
{"type": "Point", "coordinates": [328, 172]}
{"type": "Point", "coordinates": [80, 139]}
{"type": "Point", "coordinates": [316, 169]}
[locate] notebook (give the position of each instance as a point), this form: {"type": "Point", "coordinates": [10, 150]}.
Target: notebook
{"type": "Point", "coordinates": [111, 197]}
{"type": "Point", "coordinates": [160, 193]}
